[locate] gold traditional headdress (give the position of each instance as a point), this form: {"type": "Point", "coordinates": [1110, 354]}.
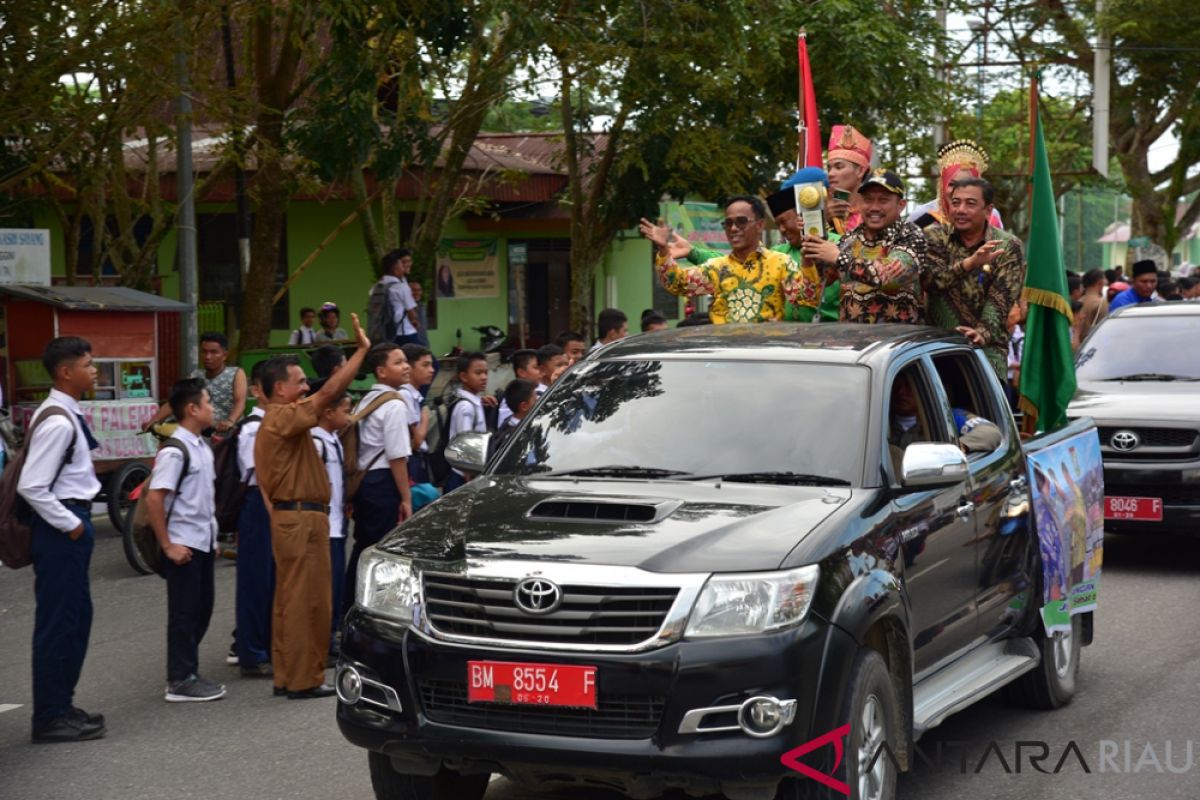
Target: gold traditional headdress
{"type": "Point", "coordinates": [962, 151]}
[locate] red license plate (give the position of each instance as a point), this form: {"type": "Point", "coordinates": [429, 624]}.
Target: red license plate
{"type": "Point", "coordinates": [1147, 509]}
{"type": "Point", "coordinates": [531, 684]}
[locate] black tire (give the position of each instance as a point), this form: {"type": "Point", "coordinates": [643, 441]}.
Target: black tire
{"type": "Point", "coordinates": [446, 785]}
{"type": "Point", "coordinates": [1052, 683]}
{"type": "Point", "coordinates": [120, 484]}
{"type": "Point", "coordinates": [870, 686]}
{"type": "Point", "coordinates": [132, 555]}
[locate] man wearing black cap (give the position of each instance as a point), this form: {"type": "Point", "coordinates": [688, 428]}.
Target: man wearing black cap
{"type": "Point", "coordinates": [1145, 282]}
{"type": "Point", "coordinates": [880, 261]}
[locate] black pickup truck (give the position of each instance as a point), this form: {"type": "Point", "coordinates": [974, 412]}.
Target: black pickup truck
{"type": "Point", "coordinates": [702, 550]}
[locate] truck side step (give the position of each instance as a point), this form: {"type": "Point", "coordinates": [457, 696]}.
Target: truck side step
{"type": "Point", "coordinates": [975, 676]}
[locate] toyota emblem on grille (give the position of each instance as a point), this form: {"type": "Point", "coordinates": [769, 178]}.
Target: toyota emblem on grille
{"type": "Point", "coordinates": [537, 596]}
{"type": "Point", "coordinates": [1125, 441]}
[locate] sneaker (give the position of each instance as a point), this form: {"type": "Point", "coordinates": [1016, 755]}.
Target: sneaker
{"type": "Point", "coordinates": [231, 657]}
{"type": "Point", "coordinates": [193, 689]}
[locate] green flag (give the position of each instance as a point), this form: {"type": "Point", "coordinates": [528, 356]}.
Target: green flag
{"type": "Point", "coordinates": [1047, 363]}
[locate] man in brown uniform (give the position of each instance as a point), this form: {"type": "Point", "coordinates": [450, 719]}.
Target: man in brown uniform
{"type": "Point", "coordinates": [295, 488]}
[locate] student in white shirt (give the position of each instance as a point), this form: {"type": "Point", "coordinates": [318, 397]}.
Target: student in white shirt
{"type": "Point", "coordinates": [334, 420]}
{"type": "Point", "coordinates": [611, 326]}
{"type": "Point", "coordinates": [551, 362]}
{"type": "Point", "coordinates": [306, 334]}
{"type": "Point", "coordinates": [467, 412]}
{"type": "Point", "coordinates": [396, 266]}
{"type": "Point", "coordinates": [59, 483]}
{"type": "Point", "coordinates": [384, 497]}
{"type": "Point", "coordinates": [182, 510]}
{"type": "Point", "coordinates": [255, 584]}
{"type": "Point", "coordinates": [520, 395]}
{"type": "Point", "coordinates": [525, 367]}
{"type": "Point", "coordinates": [421, 372]}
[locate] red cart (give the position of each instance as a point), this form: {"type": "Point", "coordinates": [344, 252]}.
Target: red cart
{"type": "Point", "coordinates": [135, 344]}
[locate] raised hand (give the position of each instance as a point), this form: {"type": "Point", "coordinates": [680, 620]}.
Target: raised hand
{"type": "Point", "coordinates": [361, 339]}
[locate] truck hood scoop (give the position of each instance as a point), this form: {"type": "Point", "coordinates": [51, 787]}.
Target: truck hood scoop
{"type": "Point", "coordinates": [594, 509]}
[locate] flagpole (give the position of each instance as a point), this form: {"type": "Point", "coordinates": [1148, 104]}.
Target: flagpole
{"type": "Point", "coordinates": [801, 128]}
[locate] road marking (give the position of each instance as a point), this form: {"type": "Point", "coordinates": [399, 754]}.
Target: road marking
{"type": "Point", "coordinates": [9, 707]}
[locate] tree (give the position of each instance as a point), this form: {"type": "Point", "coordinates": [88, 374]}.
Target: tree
{"type": "Point", "coordinates": [1155, 88]}
{"type": "Point", "coordinates": [698, 99]}
{"type": "Point", "coordinates": [403, 93]}
{"type": "Point", "coordinates": [80, 81]}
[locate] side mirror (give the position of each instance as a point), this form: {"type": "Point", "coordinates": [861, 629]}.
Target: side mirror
{"type": "Point", "coordinates": [468, 451]}
{"type": "Point", "coordinates": [929, 464]}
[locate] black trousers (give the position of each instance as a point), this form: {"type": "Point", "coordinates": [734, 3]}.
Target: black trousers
{"type": "Point", "coordinates": [376, 513]}
{"type": "Point", "coordinates": [62, 619]}
{"type": "Point", "coordinates": [189, 609]}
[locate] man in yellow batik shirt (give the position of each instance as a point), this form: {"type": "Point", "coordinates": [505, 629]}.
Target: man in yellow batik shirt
{"type": "Point", "coordinates": [751, 284]}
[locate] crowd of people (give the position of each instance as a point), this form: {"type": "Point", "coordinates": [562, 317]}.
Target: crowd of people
{"type": "Point", "coordinates": [868, 258]}
{"type": "Point", "coordinates": [303, 478]}
{"type": "Point", "coordinates": [309, 459]}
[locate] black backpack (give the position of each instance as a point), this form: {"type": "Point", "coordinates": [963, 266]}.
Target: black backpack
{"type": "Point", "coordinates": [230, 488]}
{"type": "Point", "coordinates": [381, 316]}
{"type": "Point", "coordinates": [438, 438]}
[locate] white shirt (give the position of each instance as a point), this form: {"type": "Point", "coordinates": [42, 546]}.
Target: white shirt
{"type": "Point", "coordinates": [246, 444]}
{"type": "Point", "coordinates": [302, 336]}
{"type": "Point", "coordinates": [402, 301]}
{"type": "Point", "coordinates": [329, 448]}
{"type": "Point", "coordinates": [77, 481]}
{"type": "Point", "coordinates": [466, 416]}
{"type": "Point", "coordinates": [540, 389]}
{"type": "Point", "coordinates": [192, 520]}
{"type": "Point", "coordinates": [505, 414]}
{"type": "Point", "coordinates": [412, 401]}
{"type": "Point", "coordinates": [385, 430]}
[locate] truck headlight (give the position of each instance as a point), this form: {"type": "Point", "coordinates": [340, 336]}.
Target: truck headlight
{"type": "Point", "coordinates": [736, 605]}
{"type": "Point", "coordinates": [388, 585]}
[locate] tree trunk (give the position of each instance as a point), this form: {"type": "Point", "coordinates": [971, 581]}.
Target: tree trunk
{"type": "Point", "coordinates": [270, 187]}
{"type": "Point", "coordinates": [1148, 214]}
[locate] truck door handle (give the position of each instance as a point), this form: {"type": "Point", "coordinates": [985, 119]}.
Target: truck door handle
{"type": "Point", "coordinates": [965, 511]}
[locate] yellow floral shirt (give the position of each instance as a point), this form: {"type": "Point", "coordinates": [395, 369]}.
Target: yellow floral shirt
{"type": "Point", "coordinates": [757, 289]}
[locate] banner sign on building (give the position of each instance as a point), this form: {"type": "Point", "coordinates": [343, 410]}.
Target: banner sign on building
{"type": "Point", "coordinates": [25, 256]}
{"type": "Point", "coordinates": [468, 268]}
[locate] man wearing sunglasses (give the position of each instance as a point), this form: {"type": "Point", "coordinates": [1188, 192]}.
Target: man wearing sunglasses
{"type": "Point", "coordinates": [752, 283]}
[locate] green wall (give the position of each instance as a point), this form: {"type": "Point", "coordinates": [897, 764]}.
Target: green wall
{"type": "Point", "coordinates": [341, 274]}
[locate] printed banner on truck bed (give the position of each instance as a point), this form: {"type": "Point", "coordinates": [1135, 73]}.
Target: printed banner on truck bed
{"type": "Point", "coordinates": [1067, 490]}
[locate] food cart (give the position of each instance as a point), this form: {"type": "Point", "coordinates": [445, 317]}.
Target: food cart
{"type": "Point", "coordinates": [136, 348]}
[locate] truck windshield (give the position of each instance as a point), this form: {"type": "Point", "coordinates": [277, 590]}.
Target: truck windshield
{"type": "Point", "coordinates": [658, 420]}
{"type": "Point", "coordinates": [1141, 349]}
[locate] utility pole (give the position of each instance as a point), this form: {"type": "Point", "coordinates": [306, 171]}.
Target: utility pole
{"type": "Point", "coordinates": [939, 127]}
{"type": "Point", "coordinates": [186, 221]}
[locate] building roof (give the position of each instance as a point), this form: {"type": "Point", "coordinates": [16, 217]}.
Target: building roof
{"type": "Point", "coordinates": [93, 298]}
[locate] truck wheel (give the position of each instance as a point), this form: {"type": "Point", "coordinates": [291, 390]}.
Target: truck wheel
{"type": "Point", "coordinates": [1052, 683]}
{"type": "Point", "coordinates": [873, 712]}
{"type": "Point", "coordinates": [446, 785]}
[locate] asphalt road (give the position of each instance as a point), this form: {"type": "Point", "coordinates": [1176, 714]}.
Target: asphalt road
{"type": "Point", "coordinates": [1138, 691]}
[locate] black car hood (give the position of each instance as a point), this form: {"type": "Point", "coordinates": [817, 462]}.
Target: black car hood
{"type": "Point", "coordinates": [732, 527]}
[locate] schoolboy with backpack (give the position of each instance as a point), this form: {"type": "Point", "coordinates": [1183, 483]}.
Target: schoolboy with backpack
{"type": "Point", "coordinates": [379, 485]}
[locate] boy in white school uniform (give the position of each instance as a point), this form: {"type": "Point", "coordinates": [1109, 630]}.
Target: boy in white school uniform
{"type": "Point", "coordinates": [182, 510]}
{"type": "Point", "coordinates": [384, 497]}
{"type": "Point", "coordinates": [59, 483]}
{"type": "Point", "coordinates": [329, 445]}
{"type": "Point", "coordinates": [255, 585]}
{"type": "Point", "coordinates": [466, 415]}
